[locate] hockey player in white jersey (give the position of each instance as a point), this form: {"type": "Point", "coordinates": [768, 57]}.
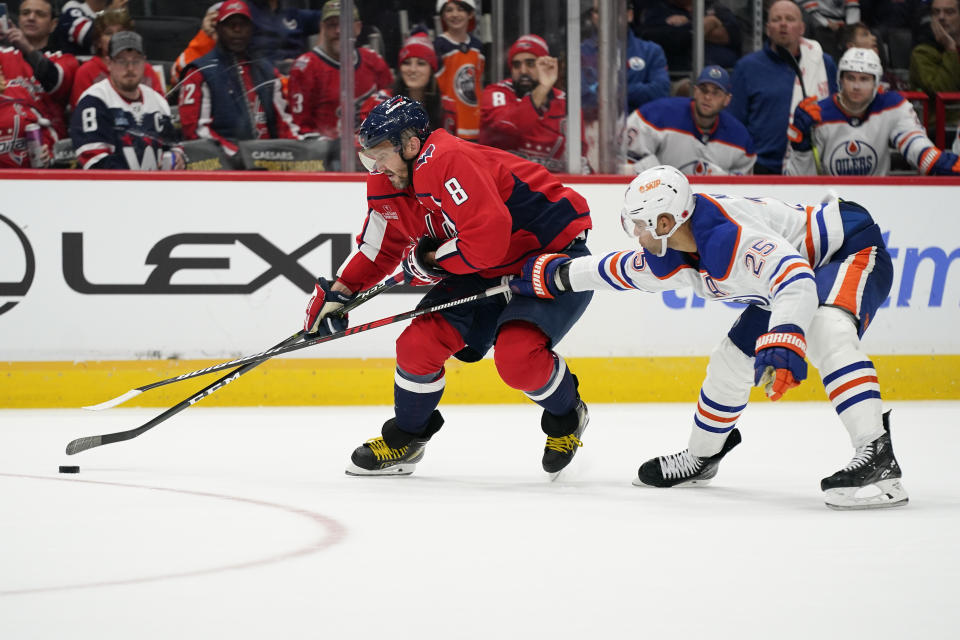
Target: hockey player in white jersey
{"type": "Point", "coordinates": [855, 128]}
{"type": "Point", "coordinates": [694, 135]}
{"type": "Point", "coordinates": [813, 276]}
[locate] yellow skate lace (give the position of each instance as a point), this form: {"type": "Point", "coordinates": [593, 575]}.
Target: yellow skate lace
{"type": "Point", "coordinates": [566, 444]}
{"type": "Point", "coordinates": [383, 452]}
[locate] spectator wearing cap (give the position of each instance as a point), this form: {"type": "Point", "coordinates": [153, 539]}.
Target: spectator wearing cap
{"type": "Point", "coordinates": [280, 33]}
{"type": "Point", "coordinates": [315, 78]}
{"type": "Point", "coordinates": [766, 89]}
{"type": "Point", "coordinates": [121, 124]}
{"type": "Point", "coordinates": [232, 97]}
{"type": "Point", "coordinates": [525, 113]}
{"type": "Point", "coordinates": [105, 25]}
{"type": "Point", "coordinates": [417, 63]}
{"type": "Point", "coordinates": [695, 135]}
{"type": "Point", "coordinates": [460, 77]}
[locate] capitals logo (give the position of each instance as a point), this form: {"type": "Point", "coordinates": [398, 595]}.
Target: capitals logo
{"type": "Point", "coordinates": [853, 158]}
{"type": "Point", "coordinates": [425, 156]}
{"type": "Point", "coordinates": [465, 85]}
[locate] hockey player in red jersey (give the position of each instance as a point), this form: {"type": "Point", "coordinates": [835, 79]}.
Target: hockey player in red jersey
{"type": "Point", "coordinates": [460, 217]}
{"type": "Point", "coordinates": [526, 114]}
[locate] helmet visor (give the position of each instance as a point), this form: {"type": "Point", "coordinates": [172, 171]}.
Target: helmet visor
{"type": "Point", "coordinates": [374, 158]}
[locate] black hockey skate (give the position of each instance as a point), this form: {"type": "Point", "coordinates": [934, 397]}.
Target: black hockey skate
{"type": "Point", "coordinates": [395, 453]}
{"type": "Point", "coordinates": [873, 466]}
{"type": "Point", "coordinates": [563, 437]}
{"type": "Point", "coordinates": [683, 469]}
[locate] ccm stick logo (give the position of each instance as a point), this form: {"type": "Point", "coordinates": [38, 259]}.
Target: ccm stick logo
{"type": "Point", "coordinates": [166, 266]}
{"type": "Point", "coordinates": [200, 396]}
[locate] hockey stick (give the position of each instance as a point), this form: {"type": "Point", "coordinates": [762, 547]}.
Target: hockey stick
{"type": "Point", "coordinates": [792, 63]}
{"type": "Point", "coordinates": [89, 442]}
{"type": "Point", "coordinates": [277, 351]}
{"type": "Point", "coordinates": [356, 302]}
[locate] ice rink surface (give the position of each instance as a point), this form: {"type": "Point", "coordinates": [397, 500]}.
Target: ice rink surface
{"type": "Point", "coordinates": [240, 523]}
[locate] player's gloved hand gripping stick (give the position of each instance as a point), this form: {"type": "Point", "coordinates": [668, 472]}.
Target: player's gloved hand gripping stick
{"type": "Point", "coordinates": [288, 346]}
{"type": "Point", "coordinates": [82, 444]}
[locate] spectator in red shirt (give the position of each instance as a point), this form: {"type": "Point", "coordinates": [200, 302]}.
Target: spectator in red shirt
{"type": "Point", "coordinates": [525, 114]}
{"type": "Point", "coordinates": [95, 69]}
{"type": "Point", "coordinates": [314, 85]}
{"type": "Point", "coordinates": [18, 109]}
{"type": "Point", "coordinates": [53, 70]}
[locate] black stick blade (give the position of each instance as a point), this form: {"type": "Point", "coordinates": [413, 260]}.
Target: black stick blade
{"type": "Point", "coordinates": [82, 444]}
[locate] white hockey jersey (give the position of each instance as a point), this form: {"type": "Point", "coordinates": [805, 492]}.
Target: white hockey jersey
{"type": "Point", "coordinates": [664, 132]}
{"type": "Point", "coordinates": [111, 132]}
{"type": "Point", "coordinates": [852, 146]}
{"type": "Point", "coordinates": [752, 250]}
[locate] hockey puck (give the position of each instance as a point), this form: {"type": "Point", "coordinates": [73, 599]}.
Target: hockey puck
{"type": "Point", "coordinates": [69, 469]}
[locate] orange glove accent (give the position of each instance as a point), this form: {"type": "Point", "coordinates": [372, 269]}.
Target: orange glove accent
{"type": "Point", "coordinates": [810, 106]}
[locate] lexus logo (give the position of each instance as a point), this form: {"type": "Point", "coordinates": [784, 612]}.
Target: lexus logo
{"type": "Point", "coordinates": [8, 250]}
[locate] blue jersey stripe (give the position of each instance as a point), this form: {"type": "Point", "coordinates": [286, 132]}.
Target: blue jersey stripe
{"type": "Point", "coordinates": [706, 427]}
{"type": "Point", "coordinates": [860, 397]}
{"type": "Point", "coordinates": [842, 371]}
{"type": "Point", "coordinates": [799, 276]}
{"type": "Point", "coordinates": [720, 407]}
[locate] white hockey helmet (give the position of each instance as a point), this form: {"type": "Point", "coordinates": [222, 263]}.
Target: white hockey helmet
{"type": "Point", "coordinates": [656, 191]}
{"type": "Point", "coordinates": [861, 61]}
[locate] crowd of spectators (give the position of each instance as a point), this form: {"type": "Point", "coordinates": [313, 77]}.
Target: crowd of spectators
{"type": "Point", "coordinates": [258, 71]}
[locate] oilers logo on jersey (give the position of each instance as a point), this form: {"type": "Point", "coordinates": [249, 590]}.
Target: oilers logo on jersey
{"type": "Point", "coordinates": [637, 63]}
{"type": "Point", "coordinates": [853, 158]}
{"type": "Point", "coordinates": [465, 85]}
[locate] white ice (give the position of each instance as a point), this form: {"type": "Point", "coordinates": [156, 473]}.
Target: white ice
{"type": "Point", "coordinates": [240, 523]}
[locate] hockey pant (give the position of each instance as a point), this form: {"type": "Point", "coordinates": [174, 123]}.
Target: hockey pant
{"type": "Point", "coordinates": [521, 331]}
{"type": "Point", "coordinates": [851, 290]}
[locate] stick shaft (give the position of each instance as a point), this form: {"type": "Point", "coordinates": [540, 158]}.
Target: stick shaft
{"type": "Point", "coordinates": [82, 444]}
{"type": "Point", "coordinates": [382, 322]}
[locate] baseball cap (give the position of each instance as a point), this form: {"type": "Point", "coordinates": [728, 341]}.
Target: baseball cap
{"type": "Point", "coordinates": [123, 40]}
{"type": "Point", "coordinates": [716, 75]}
{"type": "Point", "coordinates": [332, 9]}
{"type": "Point", "coordinates": [233, 8]}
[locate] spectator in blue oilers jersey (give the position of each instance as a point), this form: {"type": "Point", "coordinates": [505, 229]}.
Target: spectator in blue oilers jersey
{"type": "Point", "coordinates": [121, 124]}
{"type": "Point", "coordinates": [694, 135]}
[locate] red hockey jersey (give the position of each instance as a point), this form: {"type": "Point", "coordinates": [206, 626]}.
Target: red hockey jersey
{"type": "Point", "coordinates": [18, 109]}
{"type": "Point", "coordinates": [53, 103]}
{"type": "Point", "coordinates": [315, 88]}
{"type": "Point", "coordinates": [516, 125]}
{"type": "Point", "coordinates": [493, 209]}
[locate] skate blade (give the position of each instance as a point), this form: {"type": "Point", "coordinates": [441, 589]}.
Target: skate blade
{"type": "Point", "coordinates": [700, 482]}
{"type": "Point", "coordinates": [887, 494]}
{"type": "Point", "coordinates": [396, 470]}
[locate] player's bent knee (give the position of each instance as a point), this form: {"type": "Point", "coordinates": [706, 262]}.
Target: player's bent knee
{"type": "Point", "coordinates": [426, 344]}
{"type": "Point", "coordinates": [832, 332]}
{"type": "Point", "coordinates": [521, 355]}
